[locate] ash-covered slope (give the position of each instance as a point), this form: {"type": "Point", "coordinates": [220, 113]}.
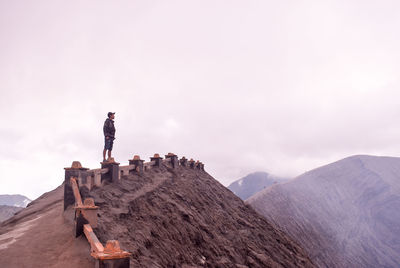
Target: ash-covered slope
{"type": "Point", "coordinates": [253, 183]}
{"type": "Point", "coordinates": [184, 218]}
{"type": "Point", "coordinates": [39, 236]}
{"type": "Point", "coordinates": [345, 214]}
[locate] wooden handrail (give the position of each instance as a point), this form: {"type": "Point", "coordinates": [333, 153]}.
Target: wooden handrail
{"type": "Point", "coordinates": [151, 163]}
{"type": "Point", "coordinates": [75, 189]}
{"type": "Point", "coordinates": [95, 244]}
{"type": "Point", "coordinates": [99, 171]}
{"type": "Point", "coordinates": [128, 167]}
{"type": "Point", "coordinates": [112, 250]}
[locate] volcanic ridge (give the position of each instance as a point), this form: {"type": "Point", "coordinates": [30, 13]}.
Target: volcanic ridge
{"type": "Point", "coordinates": [165, 216]}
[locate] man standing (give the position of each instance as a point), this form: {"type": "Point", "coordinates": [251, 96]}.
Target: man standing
{"type": "Point", "coordinates": [109, 135]}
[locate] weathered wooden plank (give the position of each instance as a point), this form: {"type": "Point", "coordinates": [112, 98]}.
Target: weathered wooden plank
{"type": "Point", "coordinates": [149, 164]}
{"type": "Point", "coordinates": [75, 189]}
{"type": "Point", "coordinates": [94, 242]}
{"type": "Point", "coordinates": [99, 171]}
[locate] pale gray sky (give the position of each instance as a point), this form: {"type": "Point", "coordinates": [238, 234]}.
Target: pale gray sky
{"type": "Point", "coordinates": [279, 86]}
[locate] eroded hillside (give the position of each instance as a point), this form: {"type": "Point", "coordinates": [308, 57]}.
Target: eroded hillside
{"type": "Point", "coordinates": [174, 217]}
{"type": "Point", "coordinates": [164, 216]}
{"type": "Point", "coordinates": [344, 214]}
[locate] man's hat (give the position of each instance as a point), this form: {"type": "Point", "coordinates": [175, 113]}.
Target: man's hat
{"type": "Point", "coordinates": [110, 113]}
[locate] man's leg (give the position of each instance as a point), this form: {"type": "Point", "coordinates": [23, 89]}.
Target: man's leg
{"type": "Point", "coordinates": [104, 155]}
{"type": "Point", "coordinates": [110, 147]}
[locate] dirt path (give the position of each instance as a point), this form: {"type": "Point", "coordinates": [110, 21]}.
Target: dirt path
{"type": "Point", "coordinates": [40, 237]}
{"type": "Point", "coordinates": [157, 181]}
{"type": "Point", "coordinates": [11, 237]}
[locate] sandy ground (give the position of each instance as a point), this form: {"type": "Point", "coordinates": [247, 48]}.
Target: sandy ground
{"type": "Point", "coordinates": [39, 236]}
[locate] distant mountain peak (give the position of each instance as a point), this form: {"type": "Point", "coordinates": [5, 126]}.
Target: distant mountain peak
{"type": "Point", "coordinates": [7, 212]}
{"type": "Point", "coordinates": [15, 200]}
{"type": "Point", "coordinates": [350, 204]}
{"type": "Point", "coordinates": [253, 183]}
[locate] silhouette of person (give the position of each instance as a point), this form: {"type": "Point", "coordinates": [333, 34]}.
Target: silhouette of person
{"type": "Point", "coordinates": [109, 135]}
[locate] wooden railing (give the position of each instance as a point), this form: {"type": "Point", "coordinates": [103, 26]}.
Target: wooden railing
{"type": "Point", "coordinates": [78, 178]}
{"type": "Point", "coordinates": [85, 218]}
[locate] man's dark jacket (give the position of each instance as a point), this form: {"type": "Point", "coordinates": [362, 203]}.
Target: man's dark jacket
{"type": "Point", "coordinates": [109, 129]}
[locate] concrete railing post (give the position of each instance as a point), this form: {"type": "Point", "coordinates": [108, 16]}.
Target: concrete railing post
{"type": "Point", "coordinates": [113, 171]}
{"type": "Point", "coordinates": [138, 163]}
{"type": "Point", "coordinates": [183, 161]}
{"type": "Point", "coordinates": [174, 159]}
{"type": "Point", "coordinates": [89, 210]}
{"type": "Point", "coordinates": [199, 165]}
{"type": "Point", "coordinates": [157, 160]}
{"type": "Point", "coordinates": [191, 163]}
{"type": "Point", "coordinates": [113, 256]}
{"type": "Point", "coordinates": [76, 170]}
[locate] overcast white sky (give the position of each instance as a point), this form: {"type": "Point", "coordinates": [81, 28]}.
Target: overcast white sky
{"type": "Point", "coordinates": [244, 86]}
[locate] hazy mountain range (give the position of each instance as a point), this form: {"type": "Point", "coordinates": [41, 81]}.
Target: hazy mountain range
{"type": "Point", "coordinates": [7, 212]}
{"type": "Point", "coordinates": [15, 200]}
{"type": "Point", "coordinates": [253, 183]}
{"type": "Point", "coordinates": [345, 214]}
{"type": "Point", "coordinates": [11, 204]}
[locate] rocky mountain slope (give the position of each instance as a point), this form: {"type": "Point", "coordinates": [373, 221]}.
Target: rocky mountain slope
{"type": "Point", "coordinates": [166, 217]}
{"type": "Point", "coordinates": [345, 214]}
{"type": "Point", "coordinates": [15, 200]}
{"type": "Point", "coordinates": [7, 212]}
{"type": "Point", "coordinates": [185, 218]}
{"type": "Point", "coordinates": [253, 183]}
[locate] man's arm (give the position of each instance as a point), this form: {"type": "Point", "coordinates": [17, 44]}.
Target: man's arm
{"type": "Point", "coordinates": [106, 129]}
